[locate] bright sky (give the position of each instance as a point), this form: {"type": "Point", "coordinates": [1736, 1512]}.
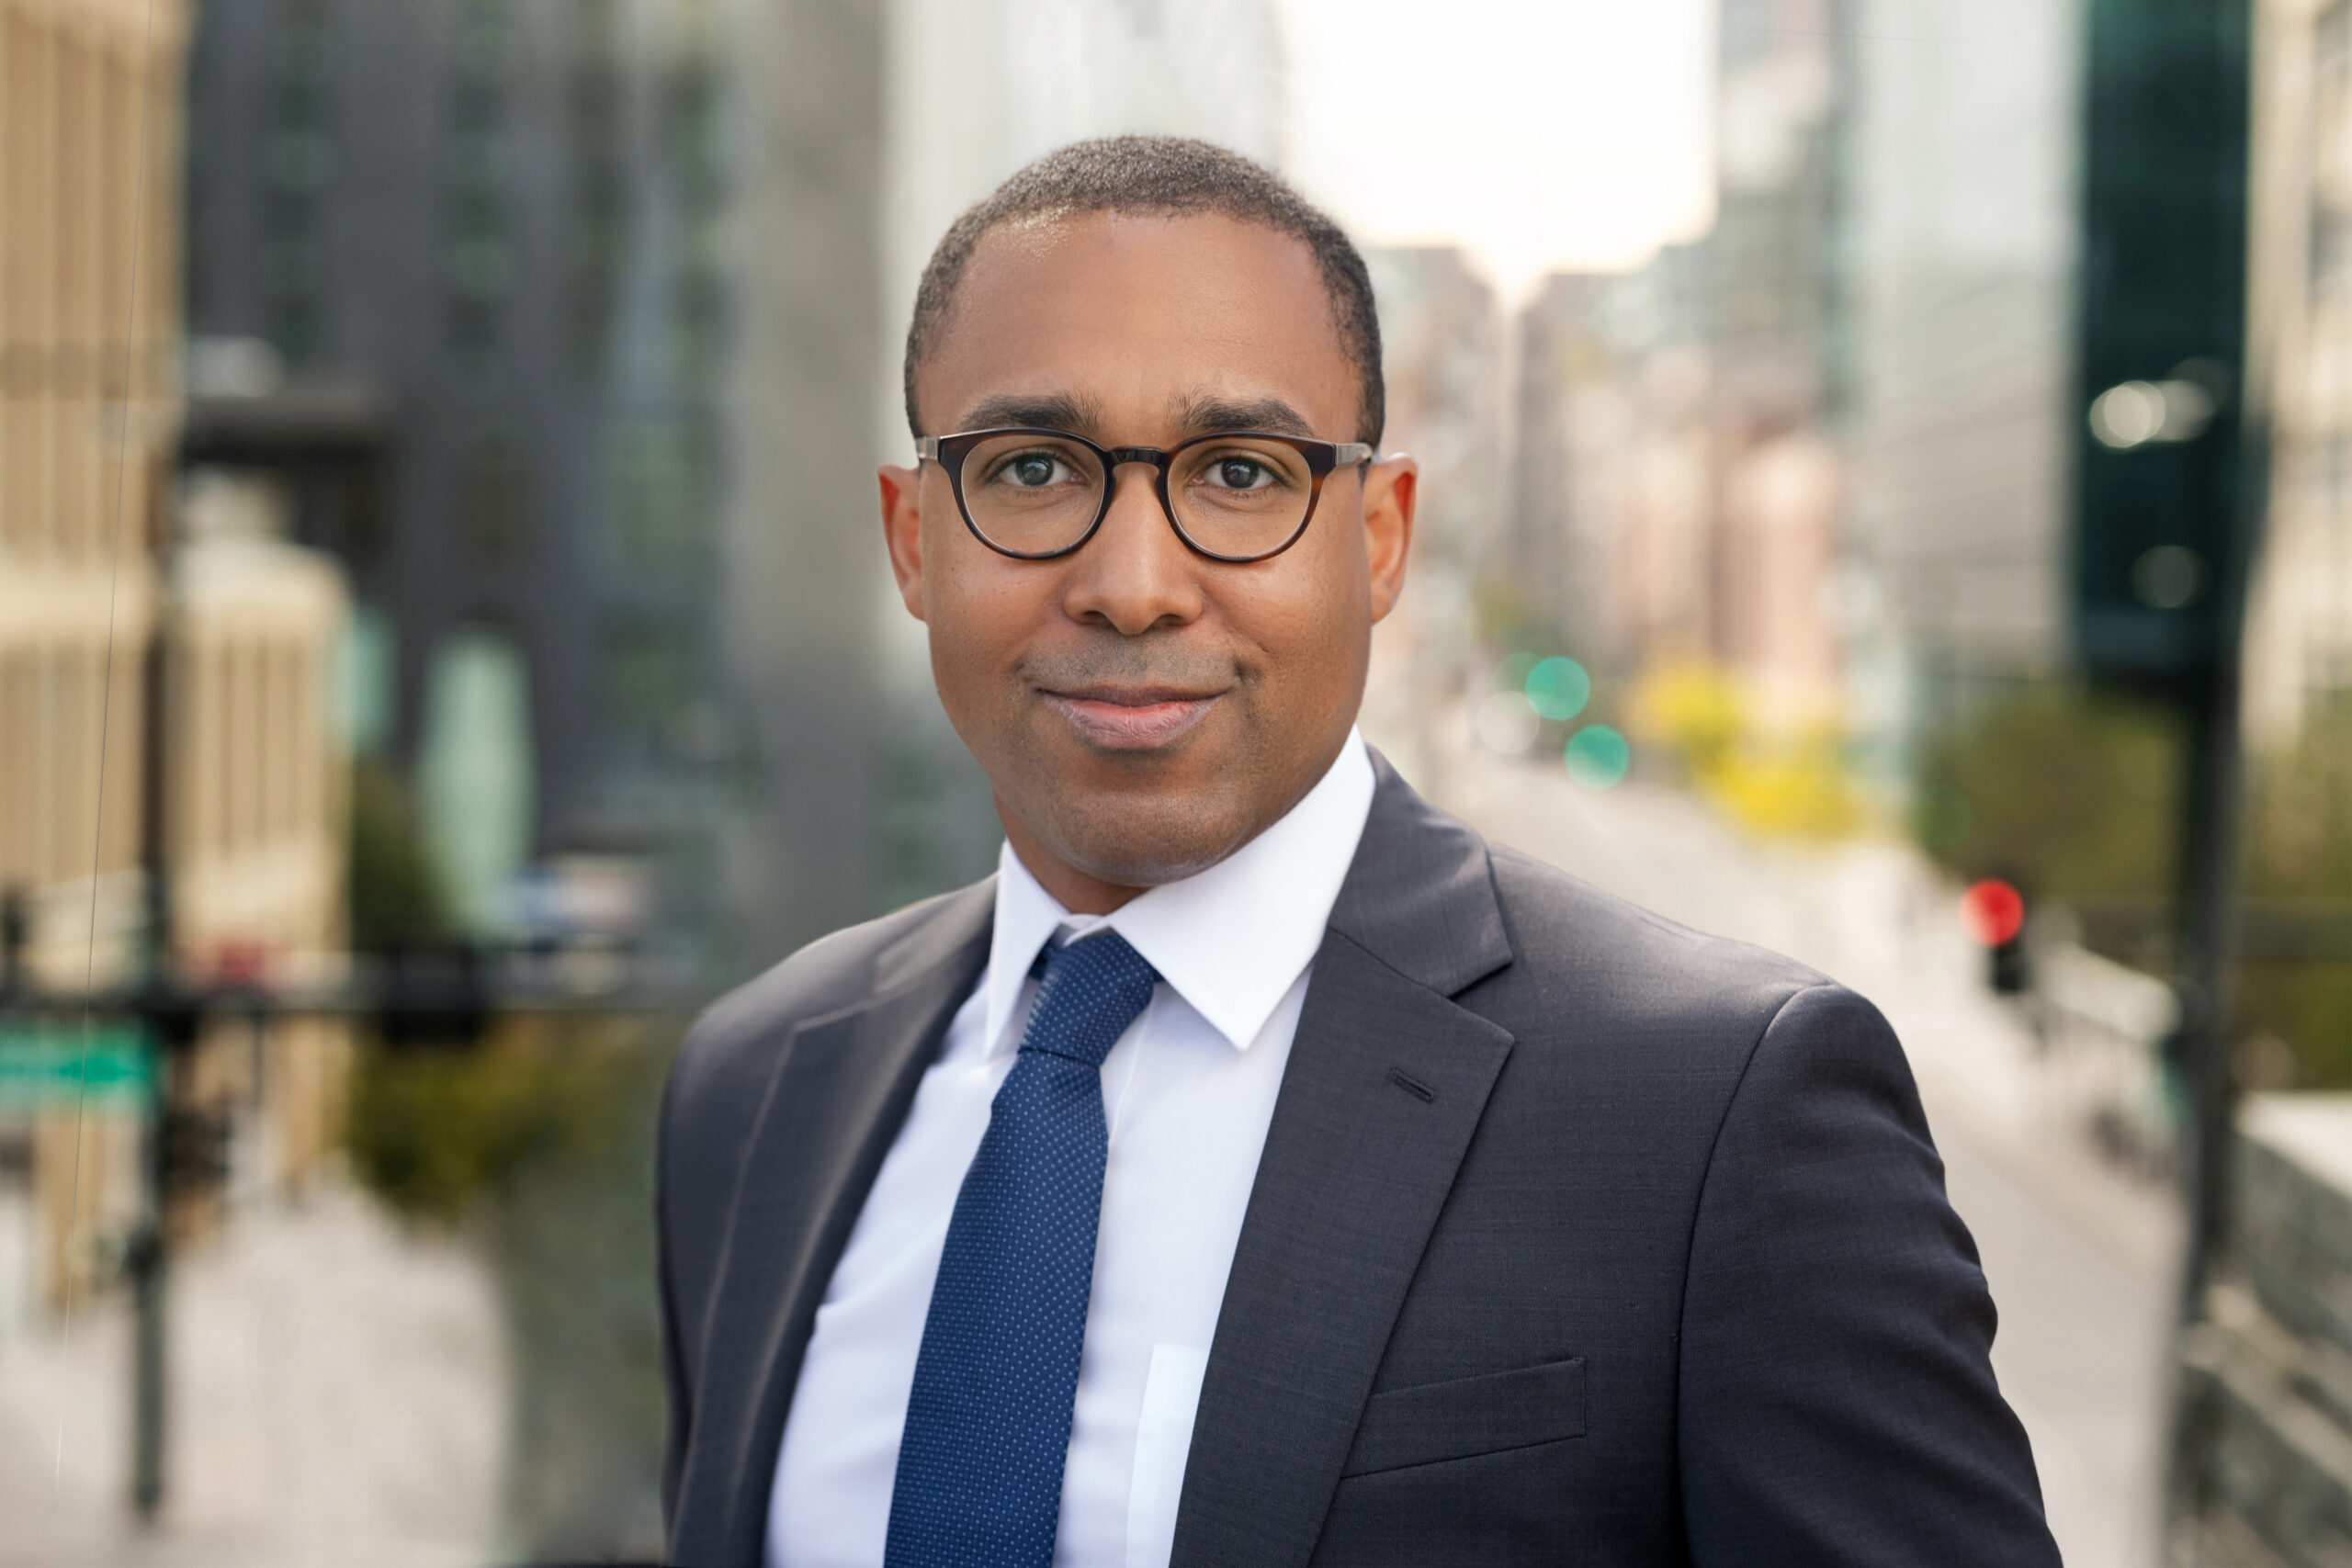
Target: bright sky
{"type": "Point", "coordinates": [1539, 135]}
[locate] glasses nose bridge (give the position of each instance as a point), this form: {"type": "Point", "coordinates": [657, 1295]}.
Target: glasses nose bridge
{"type": "Point", "coordinates": [1117, 458]}
{"type": "Point", "coordinates": [1150, 456]}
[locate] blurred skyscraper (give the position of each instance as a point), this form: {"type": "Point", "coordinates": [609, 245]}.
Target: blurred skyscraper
{"type": "Point", "coordinates": [1442, 348]}
{"type": "Point", "coordinates": [89, 326]}
{"type": "Point", "coordinates": [1966, 131]}
{"type": "Point", "coordinates": [1781, 343]}
{"type": "Point", "coordinates": [602, 271]}
{"type": "Point", "coordinates": [1826, 444]}
{"type": "Point", "coordinates": [2299, 623]}
{"type": "Point", "coordinates": [88, 160]}
{"type": "Point", "coordinates": [1679, 488]}
{"type": "Point", "coordinates": [1609, 550]}
{"type": "Point", "coordinates": [499, 216]}
{"type": "Point", "coordinates": [804, 575]}
{"type": "Point", "coordinates": [252, 791]}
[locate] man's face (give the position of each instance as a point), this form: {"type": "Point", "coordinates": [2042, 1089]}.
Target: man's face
{"type": "Point", "coordinates": [1143, 711]}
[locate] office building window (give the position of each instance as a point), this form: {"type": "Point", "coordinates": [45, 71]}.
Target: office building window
{"type": "Point", "coordinates": [599, 216]}
{"type": "Point", "coordinates": [480, 267]}
{"type": "Point", "coordinates": [661, 491]}
{"type": "Point", "coordinates": [646, 680]}
{"type": "Point", "coordinates": [493, 502]}
{"type": "Point", "coordinates": [297, 167]}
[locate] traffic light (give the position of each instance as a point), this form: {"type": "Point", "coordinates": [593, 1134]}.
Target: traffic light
{"type": "Point", "coordinates": [2162, 336]}
{"type": "Point", "coordinates": [1995, 911]}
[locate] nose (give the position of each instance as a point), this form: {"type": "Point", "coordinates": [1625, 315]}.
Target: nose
{"type": "Point", "coordinates": [1135, 574]}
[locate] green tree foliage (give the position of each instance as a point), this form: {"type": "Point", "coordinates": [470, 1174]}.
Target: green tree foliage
{"type": "Point", "coordinates": [2302, 839]}
{"type": "Point", "coordinates": [395, 897]}
{"type": "Point", "coordinates": [2299, 858]}
{"type": "Point", "coordinates": [2074, 793]}
{"type": "Point", "coordinates": [432, 1132]}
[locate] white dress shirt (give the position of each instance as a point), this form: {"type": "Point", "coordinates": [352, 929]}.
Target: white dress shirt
{"type": "Point", "coordinates": [1187, 1090]}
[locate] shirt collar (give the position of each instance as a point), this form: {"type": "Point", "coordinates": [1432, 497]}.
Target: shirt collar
{"type": "Point", "coordinates": [1230, 940]}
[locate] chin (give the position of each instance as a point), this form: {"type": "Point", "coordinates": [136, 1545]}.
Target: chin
{"type": "Point", "coordinates": [1133, 843]}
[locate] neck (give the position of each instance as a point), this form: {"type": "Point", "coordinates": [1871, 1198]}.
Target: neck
{"type": "Point", "coordinates": [1077, 891]}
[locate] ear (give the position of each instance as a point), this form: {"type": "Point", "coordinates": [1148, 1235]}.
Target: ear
{"type": "Point", "coordinates": [902, 532]}
{"type": "Point", "coordinates": [1391, 487]}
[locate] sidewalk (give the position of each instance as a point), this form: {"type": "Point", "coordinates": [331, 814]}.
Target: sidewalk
{"type": "Point", "coordinates": [340, 1397]}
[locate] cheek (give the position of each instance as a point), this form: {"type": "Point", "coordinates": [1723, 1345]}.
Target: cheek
{"type": "Point", "coordinates": [981, 615]}
{"type": "Point", "coordinates": [1310, 632]}
{"type": "Point", "coordinates": [1317, 616]}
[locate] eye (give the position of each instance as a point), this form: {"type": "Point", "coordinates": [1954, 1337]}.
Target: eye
{"type": "Point", "coordinates": [1032, 470]}
{"type": "Point", "coordinates": [1237, 472]}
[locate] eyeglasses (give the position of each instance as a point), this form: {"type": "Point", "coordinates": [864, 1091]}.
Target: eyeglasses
{"type": "Point", "coordinates": [1234, 496]}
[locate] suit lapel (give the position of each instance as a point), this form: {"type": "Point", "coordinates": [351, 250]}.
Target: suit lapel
{"type": "Point", "coordinates": [840, 1089]}
{"type": "Point", "coordinates": [1387, 1081]}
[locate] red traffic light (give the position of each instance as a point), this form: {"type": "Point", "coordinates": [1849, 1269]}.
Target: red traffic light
{"type": "Point", "coordinates": [1994, 912]}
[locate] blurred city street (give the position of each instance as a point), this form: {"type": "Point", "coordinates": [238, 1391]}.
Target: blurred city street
{"type": "Point", "coordinates": [1873, 456]}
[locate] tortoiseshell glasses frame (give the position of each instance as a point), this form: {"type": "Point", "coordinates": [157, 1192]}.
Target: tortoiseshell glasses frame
{"type": "Point", "coordinates": [1209, 485]}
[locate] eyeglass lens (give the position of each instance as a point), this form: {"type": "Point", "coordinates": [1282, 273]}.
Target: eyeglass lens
{"type": "Point", "coordinates": [1035, 494]}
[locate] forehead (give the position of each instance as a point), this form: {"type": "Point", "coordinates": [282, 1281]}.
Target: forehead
{"type": "Point", "coordinates": [1138, 315]}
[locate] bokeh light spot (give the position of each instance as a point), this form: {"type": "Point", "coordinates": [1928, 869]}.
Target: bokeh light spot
{"type": "Point", "coordinates": [1507, 723]}
{"type": "Point", "coordinates": [1558, 687]}
{"type": "Point", "coordinates": [1597, 757]}
{"type": "Point", "coordinates": [1993, 911]}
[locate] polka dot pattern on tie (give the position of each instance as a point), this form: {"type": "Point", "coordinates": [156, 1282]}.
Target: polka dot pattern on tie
{"type": "Point", "coordinates": [980, 1476]}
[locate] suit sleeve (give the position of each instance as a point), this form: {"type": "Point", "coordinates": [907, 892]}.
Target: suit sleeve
{"type": "Point", "coordinates": [1837, 1404]}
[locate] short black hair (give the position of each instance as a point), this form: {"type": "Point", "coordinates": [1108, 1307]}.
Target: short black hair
{"type": "Point", "coordinates": [1159, 175]}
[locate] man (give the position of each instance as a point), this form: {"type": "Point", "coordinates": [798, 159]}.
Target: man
{"type": "Point", "coordinates": [1260, 1168]}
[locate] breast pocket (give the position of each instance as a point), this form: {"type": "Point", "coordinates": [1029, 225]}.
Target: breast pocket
{"type": "Point", "coordinates": [1456, 1419]}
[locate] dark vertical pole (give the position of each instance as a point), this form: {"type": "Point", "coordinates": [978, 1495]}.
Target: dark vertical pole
{"type": "Point", "coordinates": [2214, 808]}
{"type": "Point", "coordinates": [146, 1261]}
{"type": "Point", "coordinates": [2162, 306]}
{"type": "Point", "coordinates": [2200, 1048]}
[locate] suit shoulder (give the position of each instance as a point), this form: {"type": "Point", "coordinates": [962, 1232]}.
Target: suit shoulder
{"type": "Point", "coordinates": [741, 1030]}
{"type": "Point", "coordinates": [1575, 944]}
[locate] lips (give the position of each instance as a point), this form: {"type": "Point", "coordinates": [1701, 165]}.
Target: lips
{"type": "Point", "coordinates": [1131, 720]}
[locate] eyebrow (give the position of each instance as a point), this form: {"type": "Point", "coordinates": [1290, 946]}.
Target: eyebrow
{"type": "Point", "coordinates": [1203, 415]}
{"type": "Point", "coordinates": [1053, 410]}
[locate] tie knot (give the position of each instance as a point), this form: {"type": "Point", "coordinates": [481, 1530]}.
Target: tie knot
{"type": "Point", "coordinates": [1093, 988]}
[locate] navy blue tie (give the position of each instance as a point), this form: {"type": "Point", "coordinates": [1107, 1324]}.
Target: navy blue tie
{"type": "Point", "coordinates": [979, 1482]}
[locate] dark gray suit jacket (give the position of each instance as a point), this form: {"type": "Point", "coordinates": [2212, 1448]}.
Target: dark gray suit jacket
{"type": "Point", "coordinates": [1578, 1237]}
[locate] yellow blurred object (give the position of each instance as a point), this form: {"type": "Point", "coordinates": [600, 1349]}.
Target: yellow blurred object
{"type": "Point", "coordinates": [1691, 708]}
{"type": "Point", "coordinates": [1784, 783]}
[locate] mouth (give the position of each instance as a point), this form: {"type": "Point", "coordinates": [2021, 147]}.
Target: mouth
{"type": "Point", "coordinates": [1131, 719]}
